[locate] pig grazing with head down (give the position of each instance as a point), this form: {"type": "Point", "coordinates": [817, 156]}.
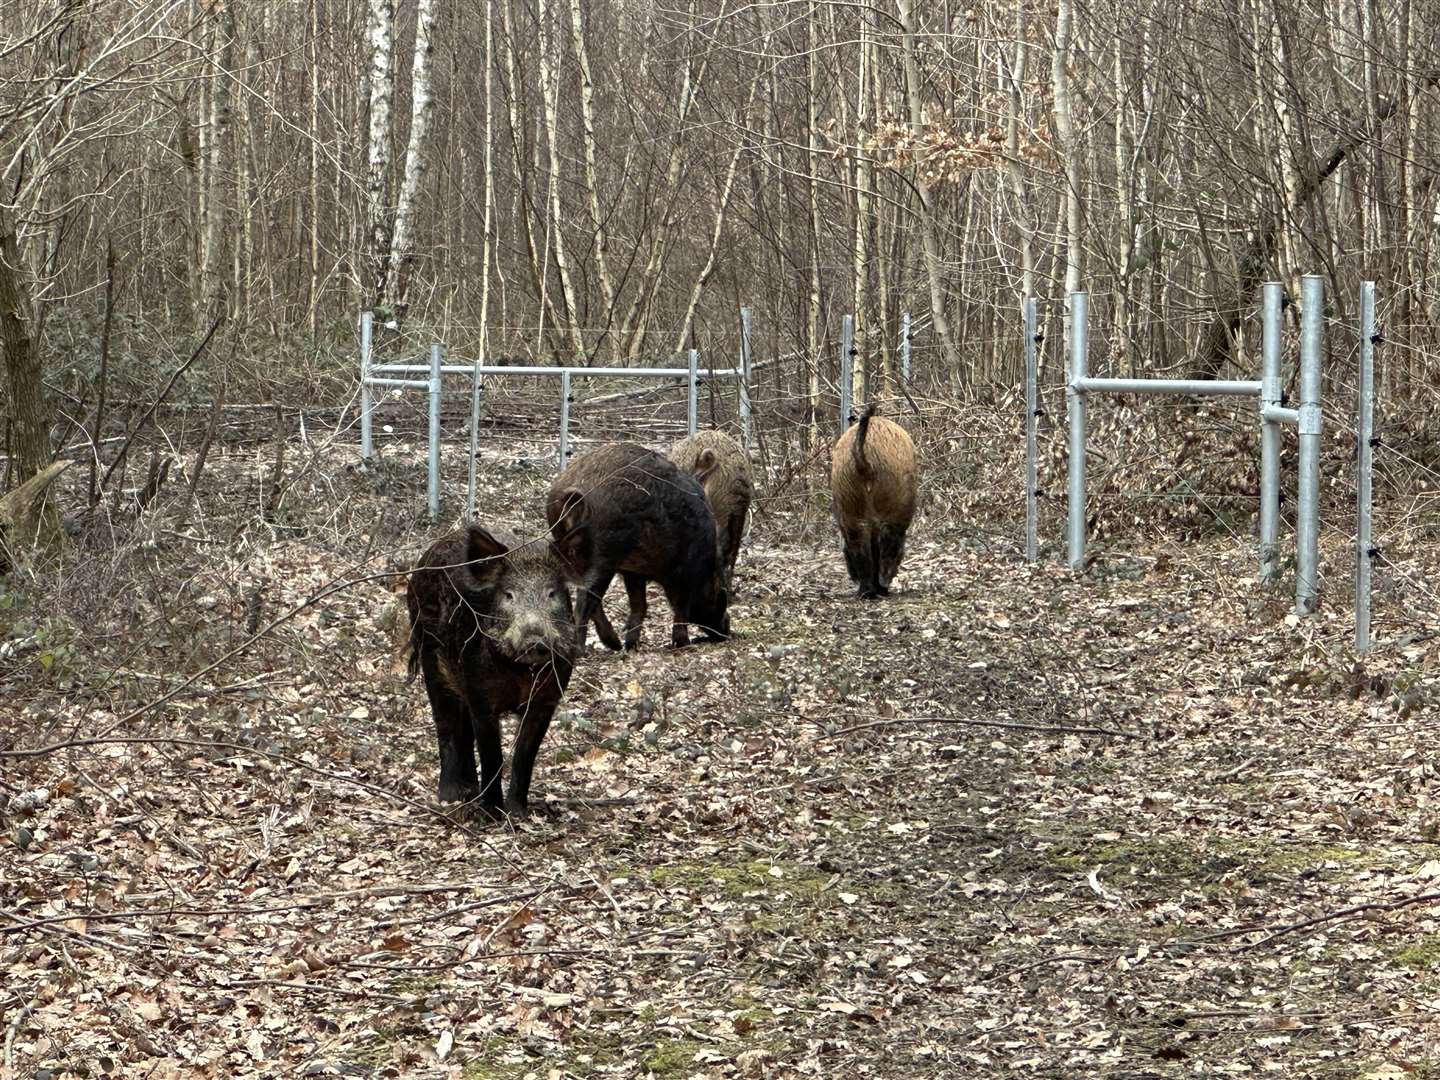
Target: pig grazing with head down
{"type": "Point", "coordinates": [873, 486]}
{"type": "Point", "coordinates": [490, 629]}
{"type": "Point", "coordinates": [624, 509]}
{"type": "Point", "coordinates": [722, 467]}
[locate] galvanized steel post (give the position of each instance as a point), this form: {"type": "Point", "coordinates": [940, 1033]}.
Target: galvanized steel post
{"type": "Point", "coordinates": [1079, 343]}
{"type": "Point", "coordinates": [905, 347]}
{"type": "Point", "coordinates": [1307, 519]}
{"type": "Point", "coordinates": [367, 326]}
{"type": "Point", "coordinates": [477, 391]}
{"type": "Point", "coordinates": [1272, 328]}
{"type": "Point", "coordinates": [847, 337]}
{"type": "Point", "coordinates": [1365, 439]}
{"type": "Point", "coordinates": [1032, 413]}
{"type": "Point", "coordinates": [564, 419]}
{"type": "Point", "coordinates": [745, 376]}
{"type": "Point", "coordinates": [692, 400]}
{"type": "Point", "coordinates": [432, 487]}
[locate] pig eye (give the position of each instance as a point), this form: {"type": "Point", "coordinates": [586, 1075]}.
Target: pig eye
{"type": "Point", "coordinates": [509, 596]}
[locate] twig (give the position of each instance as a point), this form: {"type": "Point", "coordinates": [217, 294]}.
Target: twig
{"type": "Point", "coordinates": [14, 1030]}
{"type": "Point", "coordinates": [145, 419]}
{"type": "Point", "coordinates": [1357, 909]}
{"type": "Point", "coordinates": [1008, 725]}
{"type": "Point", "coordinates": [1060, 959]}
{"type": "Point", "coordinates": [367, 995]}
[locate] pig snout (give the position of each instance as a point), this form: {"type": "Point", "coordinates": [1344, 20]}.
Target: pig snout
{"type": "Point", "coordinates": [534, 639]}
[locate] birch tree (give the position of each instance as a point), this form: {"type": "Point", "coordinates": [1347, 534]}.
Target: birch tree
{"type": "Point", "coordinates": [380, 42]}
{"type": "Point", "coordinates": [422, 109]}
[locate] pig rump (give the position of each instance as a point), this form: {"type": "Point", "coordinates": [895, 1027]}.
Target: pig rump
{"type": "Point", "coordinates": [722, 468]}
{"type": "Point", "coordinates": [623, 509]}
{"type": "Point", "coordinates": [490, 630]}
{"type": "Point", "coordinates": [872, 486]}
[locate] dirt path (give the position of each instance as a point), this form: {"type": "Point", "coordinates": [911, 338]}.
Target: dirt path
{"type": "Point", "coordinates": [1007, 821]}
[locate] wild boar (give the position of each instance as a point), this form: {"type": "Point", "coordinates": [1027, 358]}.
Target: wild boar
{"type": "Point", "coordinates": [624, 509]}
{"type": "Point", "coordinates": [722, 467]}
{"type": "Point", "coordinates": [873, 485]}
{"type": "Point", "coordinates": [491, 629]}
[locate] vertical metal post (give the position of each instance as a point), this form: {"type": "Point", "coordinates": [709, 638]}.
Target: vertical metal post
{"type": "Point", "coordinates": [1032, 340]}
{"type": "Point", "coordinates": [905, 347]}
{"type": "Point", "coordinates": [1078, 369]}
{"type": "Point", "coordinates": [477, 393]}
{"type": "Point", "coordinates": [1364, 549]}
{"type": "Point", "coordinates": [367, 326]}
{"type": "Point", "coordinates": [847, 338]}
{"type": "Point", "coordinates": [564, 419]}
{"type": "Point", "coordinates": [692, 402]}
{"type": "Point", "coordinates": [1272, 328]}
{"type": "Point", "coordinates": [1307, 519]}
{"type": "Point", "coordinates": [745, 376]}
{"type": "Point", "coordinates": [433, 485]}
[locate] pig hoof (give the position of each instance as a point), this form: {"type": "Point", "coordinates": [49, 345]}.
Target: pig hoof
{"type": "Point", "coordinates": [517, 810]}
{"type": "Point", "coordinates": [458, 793]}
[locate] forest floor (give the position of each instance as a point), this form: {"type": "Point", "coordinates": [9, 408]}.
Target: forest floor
{"type": "Point", "coordinates": [1132, 823]}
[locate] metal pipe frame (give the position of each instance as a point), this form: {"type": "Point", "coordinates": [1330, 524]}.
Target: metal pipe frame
{"type": "Point", "coordinates": [367, 325]}
{"type": "Point", "coordinates": [432, 486]}
{"type": "Point", "coordinates": [1032, 414]}
{"type": "Point", "coordinates": [744, 377]}
{"type": "Point", "coordinates": [692, 395]}
{"type": "Point", "coordinates": [1078, 362]}
{"type": "Point", "coordinates": [1365, 440]}
{"type": "Point", "coordinates": [1307, 517]}
{"type": "Point", "coordinates": [477, 396]}
{"type": "Point", "coordinates": [421, 384]}
{"type": "Point", "coordinates": [847, 339]}
{"type": "Point", "coordinates": [605, 373]}
{"type": "Point", "coordinates": [564, 419]}
{"type": "Point", "coordinates": [1193, 387]}
{"type": "Point", "coordinates": [1272, 414]}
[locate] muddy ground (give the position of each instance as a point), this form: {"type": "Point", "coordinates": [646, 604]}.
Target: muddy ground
{"type": "Point", "coordinates": [1012, 820]}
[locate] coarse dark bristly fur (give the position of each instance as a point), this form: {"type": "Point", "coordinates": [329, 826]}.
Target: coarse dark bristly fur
{"type": "Point", "coordinates": [873, 484]}
{"type": "Point", "coordinates": [722, 467]}
{"type": "Point", "coordinates": [623, 509]}
{"type": "Point", "coordinates": [491, 630]}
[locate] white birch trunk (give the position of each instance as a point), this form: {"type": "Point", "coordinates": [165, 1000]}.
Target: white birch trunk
{"type": "Point", "coordinates": [422, 109]}
{"type": "Point", "coordinates": [550, 94]}
{"type": "Point", "coordinates": [380, 38]}
{"type": "Point", "coordinates": [1070, 158]}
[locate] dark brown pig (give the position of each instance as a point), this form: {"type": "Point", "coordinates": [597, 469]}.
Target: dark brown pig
{"type": "Point", "coordinates": [491, 629]}
{"type": "Point", "coordinates": [723, 469]}
{"type": "Point", "coordinates": [624, 509]}
{"type": "Point", "coordinates": [873, 485]}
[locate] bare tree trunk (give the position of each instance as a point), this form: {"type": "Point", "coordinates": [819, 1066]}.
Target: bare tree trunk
{"type": "Point", "coordinates": [314, 252]}
{"type": "Point", "coordinates": [592, 172]}
{"type": "Point", "coordinates": [1070, 152]}
{"type": "Point", "coordinates": [422, 108]}
{"type": "Point", "coordinates": [215, 224]}
{"type": "Point", "coordinates": [929, 232]}
{"type": "Point", "coordinates": [27, 404]}
{"type": "Point", "coordinates": [380, 39]}
{"type": "Point", "coordinates": [813, 335]}
{"type": "Point", "coordinates": [860, 246]}
{"type": "Point", "coordinates": [1025, 220]}
{"type": "Point", "coordinates": [550, 97]}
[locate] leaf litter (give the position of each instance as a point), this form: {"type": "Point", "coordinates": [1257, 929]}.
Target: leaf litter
{"type": "Point", "coordinates": [1013, 820]}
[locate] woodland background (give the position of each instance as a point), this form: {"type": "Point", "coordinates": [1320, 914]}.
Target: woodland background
{"type": "Point", "coordinates": [570, 179]}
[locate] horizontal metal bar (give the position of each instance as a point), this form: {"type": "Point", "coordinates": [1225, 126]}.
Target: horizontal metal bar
{"type": "Point", "coordinates": [1197, 387]}
{"type": "Point", "coordinates": [423, 384]}
{"type": "Point", "coordinates": [606, 373]}
{"type": "Point", "coordinates": [1278, 414]}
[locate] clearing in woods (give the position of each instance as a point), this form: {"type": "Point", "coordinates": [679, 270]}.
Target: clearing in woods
{"type": "Point", "coordinates": [1007, 821]}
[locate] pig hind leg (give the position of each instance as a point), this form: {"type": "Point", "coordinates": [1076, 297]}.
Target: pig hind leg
{"type": "Point", "coordinates": [860, 560]}
{"type": "Point", "coordinates": [639, 605]}
{"type": "Point", "coordinates": [590, 607]}
{"type": "Point", "coordinates": [889, 550]}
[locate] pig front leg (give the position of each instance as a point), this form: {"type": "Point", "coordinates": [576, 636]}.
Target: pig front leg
{"type": "Point", "coordinates": [533, 724]}
{"type": "Point", "coordinates": [452, 729]}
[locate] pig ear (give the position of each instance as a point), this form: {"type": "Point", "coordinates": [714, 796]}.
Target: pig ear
{"type": "Point", "coordinates": [572, 515]}
{"type": "Point", "coordinates": [485, 553]}
{"type": "Point", "coordinates": [705, 464]}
